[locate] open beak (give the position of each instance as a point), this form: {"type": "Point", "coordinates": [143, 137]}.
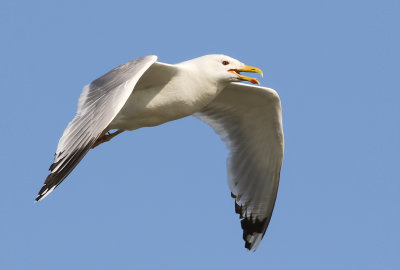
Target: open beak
{"type": "Point", "coordinates": [247, 69]}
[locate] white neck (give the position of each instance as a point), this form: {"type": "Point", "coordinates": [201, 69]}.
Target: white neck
{"type": "Point", "coordinates": [201, 86]}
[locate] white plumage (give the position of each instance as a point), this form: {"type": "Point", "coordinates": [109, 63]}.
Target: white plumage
{"type": "Point", "coordinates": [144, 93]}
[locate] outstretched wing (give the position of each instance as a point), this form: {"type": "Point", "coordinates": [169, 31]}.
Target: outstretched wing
{"type": "Point", "coordinates": [99, 103]}
{"type": "Point", "coordinates": [249, 120]}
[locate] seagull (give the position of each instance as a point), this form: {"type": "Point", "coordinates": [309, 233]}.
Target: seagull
{"type": "Point", "coordinates": [146, 93]}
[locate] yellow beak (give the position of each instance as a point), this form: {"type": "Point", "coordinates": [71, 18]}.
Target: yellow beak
{"type": "Point", "coordinates": [247, 69]}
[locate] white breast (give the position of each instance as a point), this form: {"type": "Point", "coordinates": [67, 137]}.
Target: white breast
{"type": "Point", "coordinates": [153, 103]}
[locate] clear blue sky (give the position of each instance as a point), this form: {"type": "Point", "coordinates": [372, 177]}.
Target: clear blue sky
{"type": "Point", "coordinates": [157, 198]}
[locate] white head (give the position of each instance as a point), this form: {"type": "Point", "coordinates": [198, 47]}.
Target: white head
{"type": "Point", "coordinates": [222, 68]}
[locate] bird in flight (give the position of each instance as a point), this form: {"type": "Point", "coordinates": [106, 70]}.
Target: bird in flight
{"type": "Point", "coordinates": [146, 93]}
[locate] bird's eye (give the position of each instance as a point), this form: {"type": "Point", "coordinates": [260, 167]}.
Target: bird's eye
{"type": "Point", "coordinates": [225, 63]}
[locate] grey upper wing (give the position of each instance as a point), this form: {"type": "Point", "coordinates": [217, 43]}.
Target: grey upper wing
{"type": "Point", "coordinates": [99, 103]}
{"type": "Point", "coordinates": [249, 120]}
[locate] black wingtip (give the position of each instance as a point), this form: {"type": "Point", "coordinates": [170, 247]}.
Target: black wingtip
{"type": "Point", "coordinates": [253, 226]}
{"type": "Point", "coordinates": [45, 190]}
{"type": "Point", "coordinates": [250, 226]}
{"type": "Point", "coordinates": [42, 193]}
{"type": "Point", "coordinates": [239, 209]}
{"type": "Point", "coordinates": [66, 165]}
{"type": "Point", "coordinates": [247, 245]}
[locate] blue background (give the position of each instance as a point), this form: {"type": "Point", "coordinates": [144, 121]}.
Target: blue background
{"type": "Point", "coordinates": [157, 198]}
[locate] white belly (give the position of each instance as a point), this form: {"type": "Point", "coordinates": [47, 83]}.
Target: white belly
{"type": "Point", "coordinates": [160, 104]}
